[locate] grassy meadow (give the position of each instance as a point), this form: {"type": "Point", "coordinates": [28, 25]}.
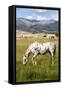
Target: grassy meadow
{"type": "Point", "coordinates": [44, 70]}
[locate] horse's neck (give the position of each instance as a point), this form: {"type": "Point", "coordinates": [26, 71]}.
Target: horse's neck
{"type": "Point", "coordinates": [27, 53]}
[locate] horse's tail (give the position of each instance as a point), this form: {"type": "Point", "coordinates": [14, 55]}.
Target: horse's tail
{"type": "Point", "coordinates": [54, 49]}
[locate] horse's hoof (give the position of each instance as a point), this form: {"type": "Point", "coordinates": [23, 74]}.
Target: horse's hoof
{"type": "Point", "coordinates": [52, 63]}
{"type": "Point", "coordinates": [23, 63]}
{"type": "Point", "coordinates": [35, 63]}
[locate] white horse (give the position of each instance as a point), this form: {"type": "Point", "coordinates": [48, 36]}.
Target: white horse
{"type": "Point", "coordinates": [38, 48]}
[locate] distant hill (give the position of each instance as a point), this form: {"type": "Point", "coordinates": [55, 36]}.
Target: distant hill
{"type": "Point", "coordinates": [37, 26]}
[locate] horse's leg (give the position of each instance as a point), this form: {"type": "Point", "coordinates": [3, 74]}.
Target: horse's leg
{"type": "Point", "coordinates": [52, 58]}
{"type": "Point", "coordinates": [33, 59]}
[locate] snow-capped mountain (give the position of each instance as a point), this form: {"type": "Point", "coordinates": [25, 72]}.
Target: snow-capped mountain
{"type": "Point", "coordinates": [49, 26]}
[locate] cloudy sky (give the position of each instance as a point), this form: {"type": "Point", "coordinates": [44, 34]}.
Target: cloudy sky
{"type": "Point", "coordinates": [38, 14]}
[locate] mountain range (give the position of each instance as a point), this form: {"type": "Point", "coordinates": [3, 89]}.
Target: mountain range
{"type": "Point", "coordinates": [37, 26]}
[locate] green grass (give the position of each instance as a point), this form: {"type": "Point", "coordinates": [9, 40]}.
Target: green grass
{"type": "Point", "coordinates": [40, 72]}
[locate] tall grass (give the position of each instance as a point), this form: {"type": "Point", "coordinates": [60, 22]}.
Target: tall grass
{"type": "Point", "coordinates": [40, 72]}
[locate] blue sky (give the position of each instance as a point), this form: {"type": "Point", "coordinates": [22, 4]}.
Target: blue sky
{"type": "Point", "coordinates": [38, 14]}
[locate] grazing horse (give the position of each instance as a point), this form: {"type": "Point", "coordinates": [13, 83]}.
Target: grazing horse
{"type": "Point", "coordinates": [39, 48]}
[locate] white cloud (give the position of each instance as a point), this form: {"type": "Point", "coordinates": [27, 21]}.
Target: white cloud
{"type": "Point", "coordinates": [41, 18]}
{"type": "Point", "coordinates": [37, 17]}
{"type": "Point", "coordinates": [29, 17]}
{"type": "Point", "coordinates": [40, 10]}
{"type": "Point", "coordinates": [54, 17]}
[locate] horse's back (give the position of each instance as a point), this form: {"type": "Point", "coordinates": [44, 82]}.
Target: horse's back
{"type": "Point", "coordinates": [41, 48]}
{"type": "Point", "coordinates": [34, 47]}
{"type": "Point", "coordinates": [35, 44]}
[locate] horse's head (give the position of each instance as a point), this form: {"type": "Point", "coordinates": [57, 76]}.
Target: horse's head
{"type": "Point", "coordinates": [25, 59]}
